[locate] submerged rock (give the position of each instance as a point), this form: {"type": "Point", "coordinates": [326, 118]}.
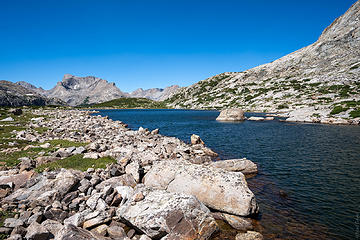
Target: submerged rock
{"type": "Point", "coordinates": [235, 114]}
{"type": "Point", "coordinates": [249, 235]}
{"type": "Point", "coordinates": [216, 188]}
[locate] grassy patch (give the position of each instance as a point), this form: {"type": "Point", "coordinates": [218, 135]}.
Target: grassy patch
{"type": "Point", "coordinates": [11, 159]}
{"type": "Point", "coordinates": [338, 109]}
{"type": "Point", "coordinates": [355, 113]}
{"type": "Point", "coordinates": [66, 143]}
{"type": "Point", "coordinates": [41, 130]}
{"type": "Point", "coordinates": [77, 162]}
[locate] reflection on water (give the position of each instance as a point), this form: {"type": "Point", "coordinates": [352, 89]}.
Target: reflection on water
{"type": "Point", "coordinates": [309, 174]}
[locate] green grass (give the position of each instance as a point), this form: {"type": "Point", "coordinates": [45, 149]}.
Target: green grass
{"type": "Point", "coordinates": [11, 159]}
{"type": "Point", "coordinates": [41, 130]}
{"type": "Point", "coordinates": [355, 113]}
{"type": "Point", "coordinates": [66, 143]}
{"type": "Point", "coordinates": [338, 109]}
{"type": "Point", "coordinates": [130, 103]}
{"type": "Point", "coordinates": [77, 162]}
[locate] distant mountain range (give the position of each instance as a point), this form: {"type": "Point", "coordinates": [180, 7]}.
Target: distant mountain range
{"type": "Point", "coordinates": [75, 91]}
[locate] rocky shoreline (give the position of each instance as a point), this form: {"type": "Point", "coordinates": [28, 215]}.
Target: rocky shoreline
{"type": "Point", "coordinates": [155, 187]}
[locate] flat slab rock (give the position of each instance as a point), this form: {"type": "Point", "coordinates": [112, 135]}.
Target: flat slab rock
{"type": "Point", "coordinates": [174, 215]}
{"type": "Point", "coordinates": [216, 188]}
{"type": "Point", "coordinates": [236, 165]}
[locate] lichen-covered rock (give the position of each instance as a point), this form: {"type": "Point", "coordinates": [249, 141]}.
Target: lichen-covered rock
{"type": "Point", "coordinates": [161, 213]}
{"type": "Point", "coordinates": [216, 188]}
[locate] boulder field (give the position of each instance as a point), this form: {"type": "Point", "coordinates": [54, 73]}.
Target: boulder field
{"type": "Point", "coordinates": [158, 187]}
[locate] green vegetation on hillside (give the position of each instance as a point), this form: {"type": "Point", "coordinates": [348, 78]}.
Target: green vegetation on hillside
{"type": "Point", "coordinates": [143, 103]}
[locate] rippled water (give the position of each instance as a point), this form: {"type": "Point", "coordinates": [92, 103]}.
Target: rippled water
{"type": "Point", "coordinates": [316, 168]}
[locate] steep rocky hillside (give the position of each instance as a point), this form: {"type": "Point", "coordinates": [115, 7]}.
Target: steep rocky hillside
{"type": "Point", "coordinates": [14, 95]}
{"type": "Point", "coordinates": [319, 80]}
{"type": "Point", "coordinates": [157, 94]}
{"type": "Point", "coordinates": [27, 85]}
{"type": "Point", "coordinates": [84, 90]}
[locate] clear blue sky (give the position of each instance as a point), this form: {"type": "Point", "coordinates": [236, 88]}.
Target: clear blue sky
{"type": "Point", "coordinates": [153, 43]}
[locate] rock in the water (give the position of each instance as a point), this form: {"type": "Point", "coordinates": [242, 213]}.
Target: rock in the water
{"type": "Point", "coordinates": [249, 235]}
{"type": "Point", "coordinates": [236, 165]}
{"type": "Point", "coordinates": [162, 213]}
{"type": "Point", "coordinates": [239, 223]}
{"type": "Point", "coordinates": [216, 188]}
{"type": "Point", "coordinates": [235, 114]}
{"type": "Point", "coordinates": [195, 139]}
{"type": "Point", "coordinates": [256, 119]}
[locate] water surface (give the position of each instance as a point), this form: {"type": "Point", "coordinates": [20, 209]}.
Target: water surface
{"type": "Point", "coordinates": [308, 186]}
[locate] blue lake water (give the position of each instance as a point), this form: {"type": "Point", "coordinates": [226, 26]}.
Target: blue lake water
{"type": "Point", "coordinates": [315, 167]}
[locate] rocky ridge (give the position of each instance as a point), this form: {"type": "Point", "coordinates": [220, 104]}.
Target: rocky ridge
{"type": "Point", "coordinates": [14, 95]}
{"type": "Point", "coordinates": [157, 94]}
{"type": "Point", "coordinates": [121, 201]}
{"type": "Point", "coordinates": [316, 82]}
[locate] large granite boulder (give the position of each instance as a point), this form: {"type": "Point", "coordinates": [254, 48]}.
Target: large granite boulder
{"type": "Point", "coordinates": [236, 165]}
{"type": "Point", "coordinates": [234, 114]}
{"type": "Point", "coordinates": [216, 188]}
{"type": "Point", "coordinates": [159, 213]}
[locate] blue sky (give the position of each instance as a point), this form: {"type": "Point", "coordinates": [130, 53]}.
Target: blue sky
{"type": "Point", "coordinates": [153, 43]}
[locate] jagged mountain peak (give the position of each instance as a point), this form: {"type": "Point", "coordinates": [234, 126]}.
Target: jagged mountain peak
{"type": "Point", "coordinates": [85, 90]}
